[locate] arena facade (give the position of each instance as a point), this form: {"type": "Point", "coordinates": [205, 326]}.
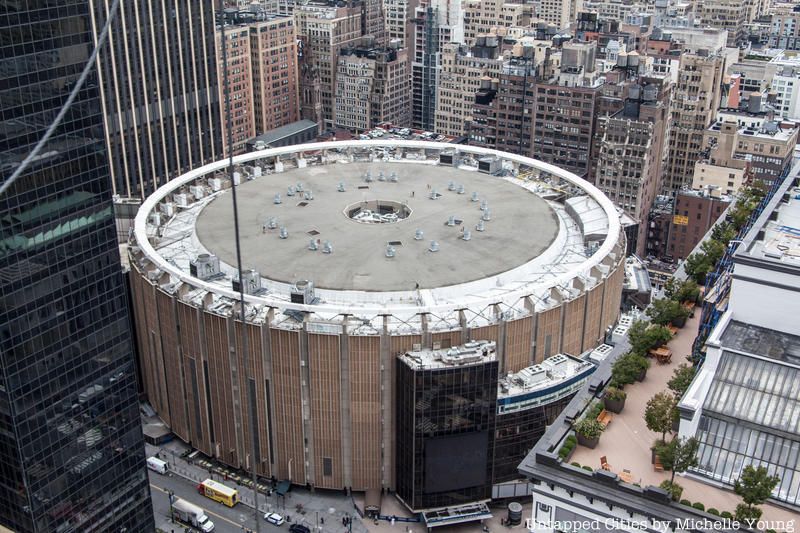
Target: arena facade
{"type": "Point", "coordinates": [357, 254]}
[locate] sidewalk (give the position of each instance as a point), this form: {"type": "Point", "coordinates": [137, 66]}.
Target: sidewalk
{"type": "Point", "coordinates": [322, 508]}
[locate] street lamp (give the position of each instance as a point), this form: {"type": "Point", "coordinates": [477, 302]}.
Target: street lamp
{"type": "Point", "coordinates": [171, 496]}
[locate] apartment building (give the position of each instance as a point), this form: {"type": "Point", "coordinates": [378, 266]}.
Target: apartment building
{"type": "Point", "coordinates": [373, 86]}
{"type": "Point", "coordinates": [631, 149]}
{"type": "Point", "coordinates": [462, 68]}
{"type": "Point", "coordinates": [396, 14]}
{"type": "Point", "coordinates": [240, 88]}
{"type": "Point", "coordinates": [784, 30]}
{"type": "Point", "coordinates": [695, 212]}
{"type": "Point", "coordinates": [324, 31]}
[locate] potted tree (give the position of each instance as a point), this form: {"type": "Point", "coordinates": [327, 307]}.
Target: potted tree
{"type": "Point", "coordinates": [625, 370]}
{"type": "Point", "coordinates": [665, 311]}
{"type": "Point", "coordinates": [640, 364]}
{"type": "Point", "coordinates": [588, 431]}
{"type": "Point", "coordinates": [614, 399]}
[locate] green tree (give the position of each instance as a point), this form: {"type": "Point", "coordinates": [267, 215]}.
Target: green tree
{"type": "Point", "coordinates": [679, 455]}
{"type": "Point", "coordinates": [723, 232]}
{"type": "Point", "coordinates": [688, 291]}
{"type": "Point", "coordinates": [643, 336]}
{"type": "Point", "coordinates": [664, 311]}
{"type": "Point", "coordinates": [755, 485]}
{"type": "Point", "coordinates": [714, 250]}
{"type": "Point", "coordinates": [625, 370]}
{"type": "Point", "coordinates": [681, 379]}
{"type": "Point", "coordinates": [659, 413]}
{"type": "Point", "coordinates": [697, 266]}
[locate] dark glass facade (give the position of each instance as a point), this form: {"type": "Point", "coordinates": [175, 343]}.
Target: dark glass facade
{"type": "Point", "coordinates": [445, 434]}
{"type": "Point", "coordinates": [160, 93]}
{"type": "Point", "coordinates": [71, 449]}
{"type": "Point", "coordinates": [517, 432]}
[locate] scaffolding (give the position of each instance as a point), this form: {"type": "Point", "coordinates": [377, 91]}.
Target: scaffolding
{"type": "Point", "coordinates": [718, 283]}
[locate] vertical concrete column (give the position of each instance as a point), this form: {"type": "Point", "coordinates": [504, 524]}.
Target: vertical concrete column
{"type": "Point", "coordinates": [530, 305]}
{"type": "Point", "coordinates": [501, 338]}
{"type": "Point", "coordinates": [233, 336]}
{"type": "Point", "coordinates": [269, 403]}
{"type": "Point", "coordinates": [346, 414]}
{"type": "Point", "coordinates": [462, 320]}
{"type": "Point", "coordinates": [387, 406]}
{"type": "Point", "coordinates": [427, 338]}
{"type": "Point", "coordinates": [305, 399]}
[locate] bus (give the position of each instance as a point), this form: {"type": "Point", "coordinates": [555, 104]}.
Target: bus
{"type": "Point", "coordinates": [218, 492]}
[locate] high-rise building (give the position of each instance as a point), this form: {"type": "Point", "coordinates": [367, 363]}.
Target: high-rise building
{"type": "Point", "coordinates": [240, 87]}
{"type": "Point", "coordinates": [324, 31]}
{"type": "Point", "coordinates": [273, 45]}
{"type": "Point", "coordinates": [372, 20]}
{"type": "Point", "coordinates": [694, 105]}
{"type": "Point", "coordinates": [565, 111]}
{"type": "Point", "coordinates": [160, 100]}
{"type": "Point", "coordinates": [373, 86]}
{"type": "Point", "coordinates": [730, 15]}
{"type": "Point", "coordinates": [695, 211]}
{"type": "Point", "coordinates": [630, 147]}
{"type": "Point", "coordinates": [487, 16]}
{"type": "Point", "coordinates": [434, 24]}
{"type": "Point", "coordinates": [396, 14]}
{"type": "Point", "coordinates": [462, 70]}
{"type": "Point", "coordinates": [70, 437]}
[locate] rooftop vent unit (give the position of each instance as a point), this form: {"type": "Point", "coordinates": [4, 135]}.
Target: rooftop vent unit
{"type": "Point", "coordinates": [340, 187]}
{"type": "Point", "coordinates": [489, 165]}
{"type": "Point", "coordinates": [480, 226]}
{"type": "Point", "coordinates": [368, 177]}
{"type": "Point", "coordinates": [484, 205]}
{"type": "Point", "coordinates": [381, 177]}
{"type": "Point", "coordinates": [391, 251]}
{"type": "Point", "coordinates": [205, 267]}
{"type": "Point", "coordinates": [487, 215]}
{"type": "Point", "coordinates": [251, 282]}
{"type": "Point", "coordinates": [313, 246]}
{"type": "Point", "coordinates": [393, 177]}
{"type": "Point", "coordinates": [277, 199]}
{"type": "Point", "coordinates": [434, 247]}
{"type": "Point", "coordinates": [446, 157]}
{"type": "Point", "coordinates": [302, 292]}
{"type": "Point", "coordinates": [271, 223]}
{"type": "Point", "coordinates": [467, 235]}
{"type": "Point", "coordinates": [419, 235]}
{"type": "Point", "coordinates": [284, 233]}
{"type": "Point", "coordinates": [434, 195]}
{"type": "Point", "coordinates": [327, 247]}
{"type": "Point", "coordinates": [298, 187]}
{"type": "Point", "coordinates": [309, 195]}
{"type": "Point", "coordinates": [451, 185]}
{"type": "Point", "coordinates": [460, 189]}
{"type": "Point", "coordinates": [474, 197]}
{"type": "Point", "coordinates": [451, 220]}
{"type": "Point", "coordinates": [290, 191]}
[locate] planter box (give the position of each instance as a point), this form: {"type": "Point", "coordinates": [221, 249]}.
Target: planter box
{"type": "Point", "coordinates": [615, 406]}
{"type": "Point", "coordinates": [589, 443]}
{"type": "Point", "coordinates": [642, 375]}
{"type": "Point", "coordinates": [679, 322]}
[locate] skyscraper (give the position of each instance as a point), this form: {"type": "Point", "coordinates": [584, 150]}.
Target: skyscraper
{"type": "Point", "coordinates": [70, 440]}
{"type": "Point", "coordinates": [160, 97]}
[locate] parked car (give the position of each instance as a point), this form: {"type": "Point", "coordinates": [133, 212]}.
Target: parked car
{"type": "Point", "coordinates": [299, 528]}
{"type": "Point", "coordinates": [274, 519]}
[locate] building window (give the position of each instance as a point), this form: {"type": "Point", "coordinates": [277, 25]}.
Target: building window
{"type": "Point", "coordinates": [327, 466]}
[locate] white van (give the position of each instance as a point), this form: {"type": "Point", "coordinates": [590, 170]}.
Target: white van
{"type": "Point", "coordinates": [157, 465]}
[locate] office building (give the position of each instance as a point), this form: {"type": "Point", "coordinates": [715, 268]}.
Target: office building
{"type": "Point", "coordinates": [434, 23]}
{"type": "Point", "coordinates": [396, 15]}
{"type": "Point", "coordinates": [729, 15]}
{"type": "Point", "coordinates": [70, 442]}
{"type": "Point", "coordinates": [565, 114]}
{"type": "Point", "coordinates": [629, 150]}
{"type": "Point", "coordinates": [373, 87]}
{"type": "Point", "coordinates": [324, 31]}
{"type": "Point", "coordinates": [562, 13]}
{"type": "Point", "coordinates": [693, 110]}
{"type": "Point", "coordinates": [328, 343]}
{"type": "Point", "coordinates": [484, 17]}
{"type": "Point", "coordinates": [160, 99]}
{"type": "Point", "coordinates": [462, 70]}
{"type": "Point", "coordinates": [240, 88]}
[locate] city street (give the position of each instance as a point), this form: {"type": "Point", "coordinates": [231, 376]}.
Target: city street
{"type": "Point", "coordinates": [226, 519]}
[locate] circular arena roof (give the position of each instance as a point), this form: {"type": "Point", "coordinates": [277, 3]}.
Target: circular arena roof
{"type": "Point", "coordinates": [521, 226]}
{"type": "Point", "coordinates": [541, 220]}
